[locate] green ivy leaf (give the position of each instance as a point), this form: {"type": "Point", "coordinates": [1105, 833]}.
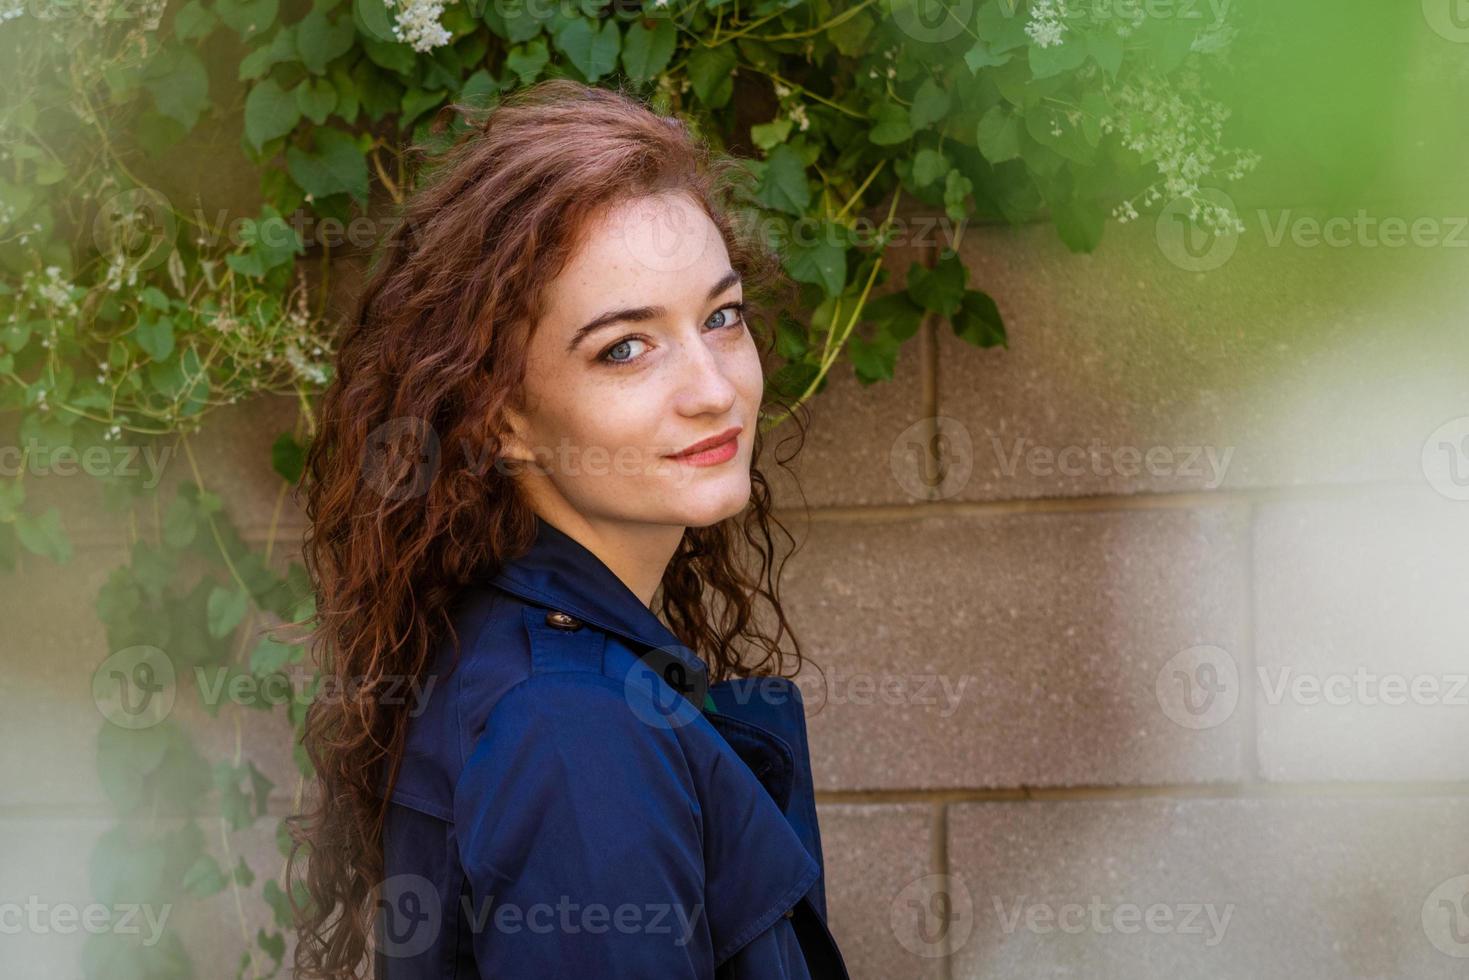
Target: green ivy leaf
{"type": "Point", "coordinates": [321, 41]}
{"type": "Point", "coordinates": [288, 458]}
{"type": "Point", "coordinates": [514, 20]}
{"type": "Point", "coordinates": [260, 786]}
{"type": "Point", "coordinates": [891, 126]}
{"type": "Point", "coordinates": [998, 137]}
{"type": "Point", "coordinates": [270, 111]}
{"type": "Point", "coordinates": [204, 877]}
{"type": "Point", "coordinates": [281, 49]}
{"type": "Point", "coordinates": [647, 50]}
{"type": "Point", "coordinates": [940, 289]}
{"type": "Point", "coordinates": [479, 89]}
{"type": "Point", "coordinates": [273, 943]}
{"type": "Point", "coordinates": [957, 189]}
{"type": "Point", "coordinates": [155, 337]}
{"type": "Point", "coordinates": [928, 166]}
{"type": "Point", "coordinates": [227, 608]}
{"type": "Point", "coordinates": [710, 71]}
{"type": "Point", "coordinates": [982, 55]}
{"type": "Point", "coordinates": [316, 98]}
{"type": "Point", "coordinates": [875, 359]}
{"type": "Point", "coordinates": [12, 495]}
{"type": "Point", "coordinates": [592, 50]}
{"type": "Point", "coordinates": [179, 84]}
{"type": "Point", "coordinates": [1105, 47]}
{"type": "Point", "coordinates": [247, 17]}
{"type": "Point", "coordinates": [930, 104]}
{"type": "Point", "coordinates": [336, 165]}
{"type": "Point", "coordinates": [270, 656]}
{"type": "Point", "coordinates": [280, 905]}
{"type": "Point", "coordinates": [771, 134]}
{"type": "Point", "coordinates": [895, 314]}
{"type": "Point", "coordinates": [180, 524]}
{"type": "Point", "coordinates": [783, 184]}
{"type": "Point", "coordinates": [527, 60]}
{"type": "Point", "coordinates": [791, 380]}
{"type": "Point", "coordinates": [416, 102]}
{"type": "Point", "coordinates": [1079, 223]}
{"type": "Point", "coordinates": [978, 321]}
{"type": "Point", "coordinates": [378, 93]}
{"type": "Point", "coordinates": [1002, 25]}
{"type": "Point", "coordinates": [43, 535]}
{"type": "Point", "coordinates": [395, 56]}
{"type": "Point", "coordinates": [1058, 58]}
{"type": "Point", "coordinates": [194, 21]}
{"type": "Point", "coordinates": [822, 262]}
{"type": "Point", "coordinates": [850, 35]}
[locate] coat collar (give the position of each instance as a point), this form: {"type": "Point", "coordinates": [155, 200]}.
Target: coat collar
{"type": "Point", "coordinates": [560, 572]}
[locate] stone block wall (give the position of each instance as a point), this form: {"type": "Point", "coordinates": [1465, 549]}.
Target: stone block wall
{"type": "Point", "coordinates": [1143, 639]}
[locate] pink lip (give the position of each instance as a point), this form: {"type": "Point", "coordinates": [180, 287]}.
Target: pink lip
{"type": "Point", "coordinates": [715, 449]}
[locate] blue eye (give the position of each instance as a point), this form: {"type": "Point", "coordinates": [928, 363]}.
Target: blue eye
{"type": "Point", "coordinates": [739, 316]}
{"type": "Point", "coordinates": [623, 346]}
{"type": "Point", "coordinates": [618, 354]}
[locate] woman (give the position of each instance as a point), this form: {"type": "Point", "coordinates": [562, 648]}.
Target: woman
{"type": "Point", "coordinates": [529, 774]}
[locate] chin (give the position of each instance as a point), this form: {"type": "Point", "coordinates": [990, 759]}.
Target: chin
{"type": "Point", "coordinates": [706, 505]}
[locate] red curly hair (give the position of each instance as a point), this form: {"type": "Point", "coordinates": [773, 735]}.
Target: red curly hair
{"type": "Point", "coordinates": [433, 353]}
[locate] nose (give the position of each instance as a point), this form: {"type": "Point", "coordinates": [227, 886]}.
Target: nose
{"type": "Point", "coordinates": [705, 386]}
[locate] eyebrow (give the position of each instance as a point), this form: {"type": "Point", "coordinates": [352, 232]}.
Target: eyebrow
{"type": "Point", "coordinates": [637, 314]}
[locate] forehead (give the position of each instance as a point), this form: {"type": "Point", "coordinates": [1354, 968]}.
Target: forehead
{"type": "Point", "coordinates": [654, 250]}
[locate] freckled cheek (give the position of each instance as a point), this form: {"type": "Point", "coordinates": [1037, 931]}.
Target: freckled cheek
{"type": "Point", "coordinates": [613, 422]}
{"type": "Point", "coordinates": [749, 378]}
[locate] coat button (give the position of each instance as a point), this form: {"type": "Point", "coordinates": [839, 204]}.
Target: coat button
{"type": "Point", "coordinates": [562, 621]}
{"type": "Point", "coordinates": [790, 912]}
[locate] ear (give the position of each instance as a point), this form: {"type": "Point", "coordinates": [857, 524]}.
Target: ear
{"type": "Point", "coordinates": [515, 436]}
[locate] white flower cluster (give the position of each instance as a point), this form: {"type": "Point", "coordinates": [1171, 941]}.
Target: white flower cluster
{"type": "Point", "coordinates": [1182, 133]}
{"type": "Point", "coordinates": [1047, 25]}
{"type": "Point", "coordinates": [120, 272]}
{"type": "Point", "coordinates": [52, 291]}
{"type": "Point", "coordinates": [794, 108]}
{"type": "Point", "coordinates": [11, 9]}
{"type": "Point", "coordinates": [418, 23]}
{"type": "Point", "coordinates": [307, 370]}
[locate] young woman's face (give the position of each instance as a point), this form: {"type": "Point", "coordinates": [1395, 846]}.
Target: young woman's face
{"type": "Point", "coordinates": [642, 353]}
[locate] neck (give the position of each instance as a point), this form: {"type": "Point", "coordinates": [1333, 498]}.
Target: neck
{"type": "Point", "coordinates": [637, 553]}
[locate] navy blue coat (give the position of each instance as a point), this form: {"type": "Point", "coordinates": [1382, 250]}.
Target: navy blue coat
{"type": "Point", "coordinates": [576, 801]}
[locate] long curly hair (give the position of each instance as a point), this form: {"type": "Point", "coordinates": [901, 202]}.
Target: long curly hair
{"type": "Point", "coordinates": [403, 511]}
